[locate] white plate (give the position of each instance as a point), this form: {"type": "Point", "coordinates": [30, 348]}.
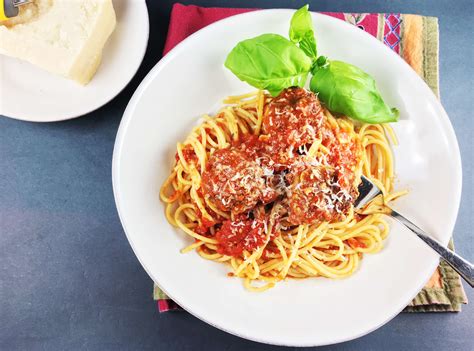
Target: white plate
{"type": "Point", "coordinates": [191, 80]}
{"type": "Point", "coordinates": [32, 94]}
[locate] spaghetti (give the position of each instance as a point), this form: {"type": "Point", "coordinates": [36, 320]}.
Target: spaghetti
{"type": "Point", "coordinates": [268, 185]}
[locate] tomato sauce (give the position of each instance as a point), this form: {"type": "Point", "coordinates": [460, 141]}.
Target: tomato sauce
{"type": "Point", "coordinates": [188, 154]}
{"type": "Point", "coordinates": [204, 223]}
{"type": "Point", "coordinates": [271, 248]}
{"type": "Point", "coordinates": [240, 234]}
{"type": "Point", "coordinates": [257, 170]}
{"type": "Point", "coordinates": [344, 154]}
{"type": "Point", "coordinates": [354, 243]}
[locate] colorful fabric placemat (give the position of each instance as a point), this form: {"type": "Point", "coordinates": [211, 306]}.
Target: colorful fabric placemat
{"type": "Point", "coordinates": [413, 37]}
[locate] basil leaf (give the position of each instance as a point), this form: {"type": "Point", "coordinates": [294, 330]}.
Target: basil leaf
{"type": "Point", "coordinates": [346, 89]}
{"type": "Point", "coordinates": [302, 33]}
{"type": "Point", "coordinates": [270, 62]}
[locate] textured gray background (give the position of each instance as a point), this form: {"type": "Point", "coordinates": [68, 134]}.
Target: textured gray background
{"type": "Point", "coordinates": [69, 279]}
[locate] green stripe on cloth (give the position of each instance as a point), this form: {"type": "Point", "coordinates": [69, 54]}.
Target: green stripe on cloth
{"type": "Point", "coordinates": [451, 295]}
{"type": "Point", "coordinates": [158, 294]}
{"type": "Point", "coordinates": [380, 26]}
{"type": "Point", "coordinates": [448, 298]}
{"type": "Point", "coordinates": [431, 53]}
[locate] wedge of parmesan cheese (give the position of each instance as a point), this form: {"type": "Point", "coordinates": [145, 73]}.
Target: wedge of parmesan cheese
{"type": "Point", "coordinates": [64, 37]}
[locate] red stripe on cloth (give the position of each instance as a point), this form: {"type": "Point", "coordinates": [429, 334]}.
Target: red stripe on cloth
{"type": "Point", "coordinates": [185, 20]}
{"type": "Point", "coordinates": [165, 305]}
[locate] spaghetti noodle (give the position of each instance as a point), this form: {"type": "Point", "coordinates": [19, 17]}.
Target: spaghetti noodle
{"type": "Point", "coordinates": [268, 185]}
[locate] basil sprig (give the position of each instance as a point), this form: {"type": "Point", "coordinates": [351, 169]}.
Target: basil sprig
{"type": "Point", "coordinates": [274, 63]}
{"type": "Point", "coordinates": [302, 33]}
{"type": "Point", "coordinates": [346, 89]}
{"type": "Point", "coordinates": [270, 62]}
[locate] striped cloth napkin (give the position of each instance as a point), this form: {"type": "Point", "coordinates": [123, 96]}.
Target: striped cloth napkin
{"type": "Point", "coordinates": [413, 37]}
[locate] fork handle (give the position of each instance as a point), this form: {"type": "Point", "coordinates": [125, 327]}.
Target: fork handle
{"type": "Point", "coordinates": [459, 264]}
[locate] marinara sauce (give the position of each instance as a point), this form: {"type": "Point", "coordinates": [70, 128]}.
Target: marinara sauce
{"type": "Point", "coordinates": [257, 170]}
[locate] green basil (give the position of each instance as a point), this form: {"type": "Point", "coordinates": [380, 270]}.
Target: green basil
{"type": "Point", "coordinates": [302, 32]}
{"type": "Point", "coordinates": [348, 90]}
{"type": "Point", "coordinates": [269, 62]}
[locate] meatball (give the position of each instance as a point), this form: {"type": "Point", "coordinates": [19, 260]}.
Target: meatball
{"type": "Point", "coordinates": [292, 120]}
{"type": "Point", "coordinates": [317, 196]}
{"type": "Point", "coordinates": [234, 181]}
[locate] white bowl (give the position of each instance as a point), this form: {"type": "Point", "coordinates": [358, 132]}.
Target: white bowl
{"type": "Point", "coordinates": [191, 80]}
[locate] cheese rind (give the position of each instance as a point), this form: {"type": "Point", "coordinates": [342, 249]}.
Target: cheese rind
{"type": "Point", "coordinates": [65, 37]}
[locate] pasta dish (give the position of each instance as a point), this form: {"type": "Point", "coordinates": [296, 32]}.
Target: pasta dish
{"type": "Point", "coordinates": [268, 186]}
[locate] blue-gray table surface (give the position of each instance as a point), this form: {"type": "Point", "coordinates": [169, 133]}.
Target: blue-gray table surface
{"type": "Point", "coordinates": [69, 279]}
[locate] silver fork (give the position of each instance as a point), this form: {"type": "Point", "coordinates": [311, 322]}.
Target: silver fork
{"type": "Point", "coordinates": [368, 191]}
